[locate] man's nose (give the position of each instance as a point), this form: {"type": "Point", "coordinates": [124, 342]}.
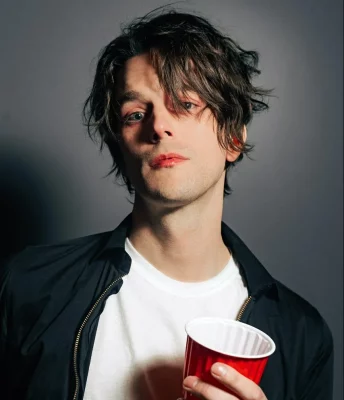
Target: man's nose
{"type": "Point", "coordinates": [163, 125]}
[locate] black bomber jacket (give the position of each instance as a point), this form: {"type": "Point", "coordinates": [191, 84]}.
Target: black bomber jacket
{"type": "Point", "coordinates": [51, 298]}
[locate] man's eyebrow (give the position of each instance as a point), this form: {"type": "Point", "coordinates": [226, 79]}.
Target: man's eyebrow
{"type": "Point", "coordinates": [131, 95]}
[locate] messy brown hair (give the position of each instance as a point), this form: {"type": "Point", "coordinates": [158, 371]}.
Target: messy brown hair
{"type": "Point", "coordinates": [189, 54]}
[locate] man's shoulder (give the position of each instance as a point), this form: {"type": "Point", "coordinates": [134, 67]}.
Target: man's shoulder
{"type": "Point", "coordinates": [301, 313]}
{"type": "Point", "coordinates": [40, 260]}
{"type": "Point", "coordinates": [62, 248]}
{"type": "Point", "coordinates": [294, 301]}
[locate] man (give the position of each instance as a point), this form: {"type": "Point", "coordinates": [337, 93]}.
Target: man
{"type": "Point", "coordinates": [102, 317]}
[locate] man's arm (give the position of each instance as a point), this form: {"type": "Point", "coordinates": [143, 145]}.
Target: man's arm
{"type": "Point", "coordinates": [4, 278]}
{"type": "Point", "coordinates": [317, 381]}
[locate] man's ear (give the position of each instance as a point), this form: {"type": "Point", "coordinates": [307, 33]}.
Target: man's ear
{"type": "Point", "coordinates": [233, 154]}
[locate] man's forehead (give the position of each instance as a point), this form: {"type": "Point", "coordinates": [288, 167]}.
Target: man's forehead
{"type": "Point", "coordinates": [138, 80]}
{"type": "Point", "coordinates": [138, 76]}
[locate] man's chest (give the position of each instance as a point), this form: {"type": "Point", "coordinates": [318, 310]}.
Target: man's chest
{"type": "Point", "coordinates": [140, 342]}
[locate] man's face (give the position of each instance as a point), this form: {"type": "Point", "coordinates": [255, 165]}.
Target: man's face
{"type": "Point", "coordinates": [150, 128]}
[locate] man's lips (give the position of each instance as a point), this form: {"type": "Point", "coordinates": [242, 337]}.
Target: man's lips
{"type": "Point", "coordinates": [168, 159]}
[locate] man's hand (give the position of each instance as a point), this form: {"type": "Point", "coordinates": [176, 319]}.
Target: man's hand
{"type": "Point", "coordinates": [244, 388]}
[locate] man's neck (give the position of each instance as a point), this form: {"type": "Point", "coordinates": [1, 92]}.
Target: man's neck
{"type": "Point", "coordinates": [184, 244]}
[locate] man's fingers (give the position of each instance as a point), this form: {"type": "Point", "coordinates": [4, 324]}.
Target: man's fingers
{"type": "Point", "coordinates": [241, 387]}
{"type": "Point", "coordinates": [205, 391]}
{"type": "Point", "coordinates": [236, 382]}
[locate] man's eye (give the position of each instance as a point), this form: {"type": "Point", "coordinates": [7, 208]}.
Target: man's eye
{"type": "Point", "coordinates": [134, 117]}
{"type": "Point", "coordinates": [189, 105]}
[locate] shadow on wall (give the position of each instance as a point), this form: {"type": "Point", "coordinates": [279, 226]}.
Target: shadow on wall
{"type": "Point", "coordinates": [25, 206]}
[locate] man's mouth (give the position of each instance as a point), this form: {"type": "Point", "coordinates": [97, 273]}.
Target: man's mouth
{"type": "Point", "coordinates": [167, 160]}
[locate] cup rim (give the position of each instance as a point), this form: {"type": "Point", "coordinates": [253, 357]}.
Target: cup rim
{"type": "Point", "coordinates": [232, 322]}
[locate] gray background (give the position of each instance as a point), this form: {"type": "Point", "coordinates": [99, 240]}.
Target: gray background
{"type": "Point", "coordinates": [287, 203]}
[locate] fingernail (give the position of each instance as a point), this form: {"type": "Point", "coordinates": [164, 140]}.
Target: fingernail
{"type": "Point", "coordinates": [219, 370]}
{"type": "Point", "coordinates": [190, 383]}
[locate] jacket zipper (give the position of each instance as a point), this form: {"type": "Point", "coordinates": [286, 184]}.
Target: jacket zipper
{"type": "Point", "coordinates": [243, 308]}
{"type": "Point", "coordinates": [248, 300]}
{"type": "Point", "coordinates": [77, 340]}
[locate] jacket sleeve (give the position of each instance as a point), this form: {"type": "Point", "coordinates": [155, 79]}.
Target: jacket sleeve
{"type": "Point", "coordinates": [4, 280]}
{"type": "Point", "coordinates": [317, 380]}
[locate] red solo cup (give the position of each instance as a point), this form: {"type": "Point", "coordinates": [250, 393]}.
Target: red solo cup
{"type": "Point", "coordinates": [211, 340]}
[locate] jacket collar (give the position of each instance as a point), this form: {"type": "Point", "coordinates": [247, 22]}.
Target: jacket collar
{"type": "Point", "coordinates": [255, 276]}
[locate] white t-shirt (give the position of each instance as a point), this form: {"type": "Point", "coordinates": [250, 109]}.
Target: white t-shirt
{"type": "Point", "coordinates": [139, 347]}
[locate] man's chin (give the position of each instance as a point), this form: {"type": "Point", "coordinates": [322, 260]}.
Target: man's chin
{"type": "Point", "coordinates": [167, 198]}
